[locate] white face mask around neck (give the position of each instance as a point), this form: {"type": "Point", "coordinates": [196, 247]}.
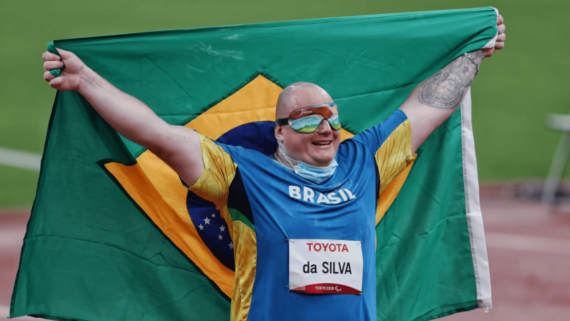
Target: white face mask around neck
{"type": "Point", "coordinates": [315, 174]}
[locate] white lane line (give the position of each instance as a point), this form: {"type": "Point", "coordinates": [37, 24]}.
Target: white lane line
{"type": "Point", "coordinates": [12, 238]}
{"type": "Point", "coordinates": [5, 311]}
{"type": "Point", "coordinates": [528, 243]}
{"type": "Point", "coordinates": [17, 158]}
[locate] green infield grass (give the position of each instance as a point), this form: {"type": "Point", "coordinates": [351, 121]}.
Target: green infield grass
{"type": "Point", "coordinates": [20, 193]}
{"type": "Point", "coordinates": [514, 92]}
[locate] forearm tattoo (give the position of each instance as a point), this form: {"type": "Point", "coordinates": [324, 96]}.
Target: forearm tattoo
{"type": "Point", "coordinates": [446, 88]}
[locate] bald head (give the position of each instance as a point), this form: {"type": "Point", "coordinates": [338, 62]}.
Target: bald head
{"type": "Point", "coordinates": [300, 94]}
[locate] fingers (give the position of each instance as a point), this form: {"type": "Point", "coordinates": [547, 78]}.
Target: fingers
{"type": "Point", "coordinates": [51, 61]}
{"type": "Point", "coordinates": [48, 76]}
{"type": "Point", "coordinates": [501, 37]}
{"type": "Point", "coordinates": [65, 54]}
{"type": "Point", "coordinates": [49, 65]}
{"type": "Point", "coordinates": [48, 56]}
{"type": "Point", "coordinates": [499, 44]}
{"type": "Point", "coordinates": [500, 20]}
{"type": "Point", "coordinates": [56, 82]}
{"type": "Point", "coordinates": [501, 29]}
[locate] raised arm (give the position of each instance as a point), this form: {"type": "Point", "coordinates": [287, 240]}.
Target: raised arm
{"type": "Point", "coordinates": [435, 99]}
{"type": "Point", "coordinates": [178, 146]}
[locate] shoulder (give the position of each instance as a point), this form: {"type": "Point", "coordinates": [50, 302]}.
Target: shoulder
{"type": "Point", "coordinates": [214, 149]}
{"type": "Point", "coordinates": [375, 136]}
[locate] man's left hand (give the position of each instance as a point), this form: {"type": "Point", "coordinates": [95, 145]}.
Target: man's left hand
{"type": "Point", "coordinates": [500, 42]}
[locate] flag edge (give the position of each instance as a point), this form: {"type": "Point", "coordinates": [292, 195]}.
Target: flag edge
{"type": "Point", "coordinates": [473, 207]}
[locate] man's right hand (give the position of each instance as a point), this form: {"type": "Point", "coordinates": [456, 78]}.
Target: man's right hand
{"type": "Point", "coordinates": [71, 76]}
{"type": "Point", "coordinates": [178, 146]}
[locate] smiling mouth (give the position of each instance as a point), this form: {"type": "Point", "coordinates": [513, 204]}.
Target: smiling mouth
{"type": "Point", "coordinates": [322, 143]}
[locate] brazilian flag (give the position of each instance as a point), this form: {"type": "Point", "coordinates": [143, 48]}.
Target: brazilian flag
{"type": "Point", "coordinates": [114, 234]}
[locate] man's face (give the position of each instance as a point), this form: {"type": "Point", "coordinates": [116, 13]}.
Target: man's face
{"type": "Point", "coordinates": [317, 148]}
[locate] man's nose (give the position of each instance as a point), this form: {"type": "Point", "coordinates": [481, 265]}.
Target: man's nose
{"type": "Point", "coordinates": [324, 127]}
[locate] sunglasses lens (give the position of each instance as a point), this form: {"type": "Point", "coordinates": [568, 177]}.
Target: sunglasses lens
{"type": "Point", "coordinates": [335, 122]}
{"type": "Point", "coordinates": [310, 124]}
{"type": "Point", "coordinates": [306, 124]}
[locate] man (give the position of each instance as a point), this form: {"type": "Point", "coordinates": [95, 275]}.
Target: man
{"type": "Point", "coordinates": [314, 194]}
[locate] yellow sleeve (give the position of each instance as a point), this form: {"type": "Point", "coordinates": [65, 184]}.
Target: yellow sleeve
{"type": "Point", "coordinates": [395, 154]}
{"type": "Point", "coordinates": [213, 185]}
{"type": "Point", "coordinates": [219, 172]}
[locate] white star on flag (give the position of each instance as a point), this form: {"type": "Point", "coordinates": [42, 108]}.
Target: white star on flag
{"type": "Point", "coordinates": [220, 236]}
{"type": "Point", "coordinates": [207, 220]}
{"type": "Point", "coordinates": [231, 246]}
{"type": "Point", "coordinates": [201, 227]}
{"type": "Point", "coordinates": [213, 215]}
{"type": "Point", "coordinates": [222, 228]}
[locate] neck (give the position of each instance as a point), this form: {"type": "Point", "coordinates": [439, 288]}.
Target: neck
{"type": "Point", "coordinates": [282, 158]}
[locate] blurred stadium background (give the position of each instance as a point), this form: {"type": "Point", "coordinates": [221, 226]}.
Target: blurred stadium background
{"type": "Point", "coordinates": [514, 93]}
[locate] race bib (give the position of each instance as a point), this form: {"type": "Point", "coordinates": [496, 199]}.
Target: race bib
{"type": "Point", "coordinates": [325, 266]}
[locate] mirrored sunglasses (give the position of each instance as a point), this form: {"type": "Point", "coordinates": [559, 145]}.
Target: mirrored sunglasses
{"type": "Point", "coordinates": [307, 119]}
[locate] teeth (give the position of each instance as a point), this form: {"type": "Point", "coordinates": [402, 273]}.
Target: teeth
{"type": "Point", "coordinates": [321, 143]}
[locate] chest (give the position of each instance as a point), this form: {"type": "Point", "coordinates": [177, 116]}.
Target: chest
{"type": "Point", "coordinates": [293, 208]}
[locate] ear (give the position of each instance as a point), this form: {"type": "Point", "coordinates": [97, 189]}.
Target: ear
{"type": "Point", "coordinates": [278, 132]}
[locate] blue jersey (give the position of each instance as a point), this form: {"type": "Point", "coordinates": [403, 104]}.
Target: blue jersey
{"type": "Point", "coordinates": [266, 204]}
